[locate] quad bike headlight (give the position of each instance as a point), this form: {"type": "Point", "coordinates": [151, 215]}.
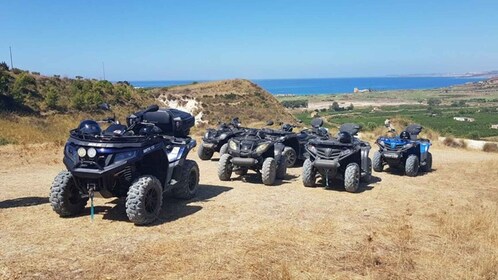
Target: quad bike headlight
{"type": "Point", "coordinates": [312, 149]}
{"type": "Point", "coordinates": [223, 136]}
{"type": "Point", "coordinates": [262, 148]}
{"type": "Point", "coordinates": [81, 152]}
{"type": "Point", "coordinates": [91, 152]}
{"type": "Point", "coordinates": [381, 142]}
{"type": "Point", "coordinates": [232, 145]}
{"type": "Point", "coordinates": [206, 135]}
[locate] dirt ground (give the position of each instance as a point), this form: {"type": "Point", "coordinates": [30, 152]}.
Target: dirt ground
{"type": "Point", "coordinates": [440, 225]}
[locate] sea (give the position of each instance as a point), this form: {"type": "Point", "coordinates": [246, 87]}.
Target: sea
{"type": "Point", "coordinates": [334, 85]}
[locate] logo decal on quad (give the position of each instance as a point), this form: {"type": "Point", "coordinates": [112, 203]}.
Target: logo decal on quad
{"type": "Point", "coordinates": [328, 152]}
{"type": "Point", "coordinates": [393, 145]}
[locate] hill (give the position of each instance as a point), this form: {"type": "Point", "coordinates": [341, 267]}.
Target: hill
{"type": "Point", "coordinates": [36, 108]}
{"type": "Point", "coordinates": [218, 101]}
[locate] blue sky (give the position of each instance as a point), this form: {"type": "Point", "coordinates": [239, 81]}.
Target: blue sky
{"type": "Point", "coordinates": [172, 40]}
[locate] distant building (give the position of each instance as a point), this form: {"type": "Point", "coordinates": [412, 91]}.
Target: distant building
{"type": "Point", "coordinates": [464, 119]}
{"type": "Point", "coordinates": [356, 90]}
{"type": "Point", "coordinates": [494, 126]}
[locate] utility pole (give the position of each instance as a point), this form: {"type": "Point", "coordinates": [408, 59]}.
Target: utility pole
{"type": "Point", "coordinates": [11, 63]}
{"type": "Point", "coordinates": [103, 69]}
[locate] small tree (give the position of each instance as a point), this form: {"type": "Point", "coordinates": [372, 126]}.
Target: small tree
{"type": "Point", "coordinates": [24, 85]}
{"type": "Point", "coordinates": [78, 101]}
{"type": "Point", "coordinates": [433, 102]}
{"type": "Point", "coordinates": [335, 106]}
{"type": "Point", "coordinates": [4, 66]}
{"type": "Point", "coordinates": [52, 98]}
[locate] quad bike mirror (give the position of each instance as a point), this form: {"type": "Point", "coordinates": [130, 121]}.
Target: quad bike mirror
{"type": "Point", "coordinates": [270, 122]}
{"type": "Point", "coordinates": [151, 108]}
{"type": "Point", "coordinates": [316, 123]}
{"type": "Point", "coordinates": [300, 121]}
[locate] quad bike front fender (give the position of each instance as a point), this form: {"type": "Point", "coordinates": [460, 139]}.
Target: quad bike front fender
{"type": "Point", "coordinates": [278, 151]}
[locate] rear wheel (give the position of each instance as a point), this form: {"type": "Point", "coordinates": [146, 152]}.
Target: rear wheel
{"type": "Point", "coordinates": [144, 200]}
{"type": "Point", "coordinates": [411, 165]}
{"type": "Point", "coordinates": [352, 177]}
{"type": "Point", "coordinates": [225, 167]}
{"type": "Point", "coordinates": [65, 197]}
{"type": "Point", "coordinates": [188, 181]}
{"type": "Point", "coordinates": [377, 162]}
{"type": "Point", "coordinates": [282, 168]}
{"type": "Point", "coordinates": [204, 153]}
{"type": "Point", "coordinates": [269, 171]}
{"type": "Point", "coordinates": [428, 163]}
{"type": "Point", "coordinates": [309, 174]}
{"type": "Point", "coordinates": [224, 149]}
{"type": "Point", "coordinates": [291, 156]}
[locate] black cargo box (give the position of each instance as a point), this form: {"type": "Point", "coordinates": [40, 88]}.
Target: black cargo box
{"type": "Point", "coordinates": [171, 121]}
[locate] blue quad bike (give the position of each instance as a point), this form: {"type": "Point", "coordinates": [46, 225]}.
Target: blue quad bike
{"type": "Point", "coordinates": [406, 152]}
{"type": "Point", "coordinates": [141, 161]}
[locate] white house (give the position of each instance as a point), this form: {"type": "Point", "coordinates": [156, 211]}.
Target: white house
{"type": "Point", "coordinates": [464, 119]}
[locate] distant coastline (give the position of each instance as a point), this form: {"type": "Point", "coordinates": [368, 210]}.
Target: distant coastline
{"type": "Point", "coordinates": [335, 85]}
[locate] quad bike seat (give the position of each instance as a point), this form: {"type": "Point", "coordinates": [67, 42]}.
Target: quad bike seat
{"type": "Point", "coordinates": [350, 128]}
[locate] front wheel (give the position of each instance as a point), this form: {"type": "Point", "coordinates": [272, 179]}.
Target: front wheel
{"type": "Point", "coordinates": [269, 171]}
{"type": "Point", "coordinates": [204, 153]}
{"type": "Point", "coordinates": [187, 181]}
{"type": "Point", "coordinates": [377, 162]}
{"type": "Point", "coordinates": [412, 165]}
{"type": "Point", "coordinates": [291, 156]}
{"type": "Point", "coordinates": [352, 177]}
{"type": "Point", "coordinates": [225, 167]}
{"type": "Point", "coordinates": [65, 197]}
{"type": "Point", "coordinates": [144, 200]}
{"type": "Point", "coordinates": [282, 168]}
{"type": "Point", "coordinates": [309, 174]}
{"type": "Point", "coordinates": [224, 149]}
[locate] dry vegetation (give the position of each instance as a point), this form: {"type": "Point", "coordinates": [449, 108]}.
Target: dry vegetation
{"type": "Point", "coordinates": [225, 99]}
{"type": "Point", "coordinates": [440, 225]}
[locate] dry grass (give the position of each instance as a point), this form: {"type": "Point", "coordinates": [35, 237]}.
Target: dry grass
{"type": "Point", "coordinates": [441, 225]}
{"type": "Point", "coordinates": [454, 143]}
{"type": "Point", "coordinates": [490, 147]}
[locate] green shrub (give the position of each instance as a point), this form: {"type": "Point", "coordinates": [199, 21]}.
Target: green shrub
{"type": "Point", "coordinates": [52, 98]}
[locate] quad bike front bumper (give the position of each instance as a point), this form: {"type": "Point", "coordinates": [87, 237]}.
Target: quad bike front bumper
{"type": "Point", "coordinates": [326, 164]}
{"type": "Point", "coordinates": [245, 162]}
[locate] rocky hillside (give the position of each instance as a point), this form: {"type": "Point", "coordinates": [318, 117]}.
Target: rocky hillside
{"type": "Point", "coordinates": [212, 102]}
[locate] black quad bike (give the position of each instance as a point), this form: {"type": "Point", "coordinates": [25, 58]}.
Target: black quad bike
{"type": "Point", "coordinates": [405, 152]}
{"type": "Point", "coordinates": [345, 157]}
{"type": "Point", "coordinates": [295, 142]}
{"type": "Point", "coordinates": [254, 150]}
{"type": "Point", "coordinates": [216, 140]}
{"type": "Point", "coordinates": [140, 161]}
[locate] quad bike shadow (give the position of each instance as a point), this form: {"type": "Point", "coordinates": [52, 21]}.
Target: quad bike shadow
{"type": "Point", "coordinates": [338, 185]}
{"type": "Point", "coordinates": [172, 209]}
{"type": "Point", "coordinates": [255, 178]}
{"type": "Point", "coordinates": [23, 202]}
